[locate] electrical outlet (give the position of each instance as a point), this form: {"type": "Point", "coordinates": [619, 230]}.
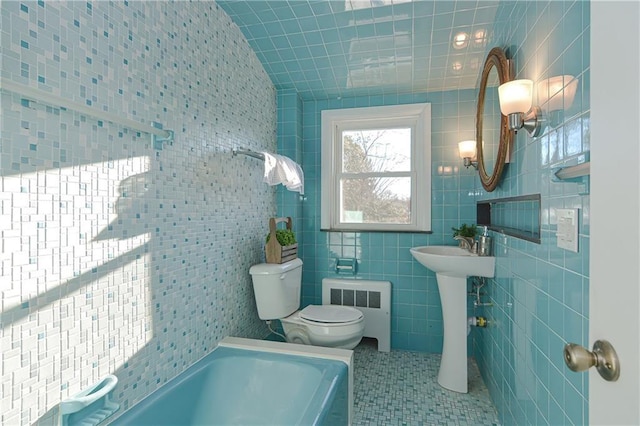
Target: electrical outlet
{"type": "Point", "coordinates": [567, 233]}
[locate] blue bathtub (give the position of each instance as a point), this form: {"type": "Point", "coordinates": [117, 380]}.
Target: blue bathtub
{"type": "Point", "coordinates": [253, 382]}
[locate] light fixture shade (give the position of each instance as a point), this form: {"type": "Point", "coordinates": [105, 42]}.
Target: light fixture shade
{"type": "Point", "coordinates": [516, 96]}
{"type": "Point", "coordinates": [467, 149]}
{"type": "Point", "coordinates": [558, 92]}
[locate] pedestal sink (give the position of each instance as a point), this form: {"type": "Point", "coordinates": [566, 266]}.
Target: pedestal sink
{"type": "Point", "coordinates": [452, 266]}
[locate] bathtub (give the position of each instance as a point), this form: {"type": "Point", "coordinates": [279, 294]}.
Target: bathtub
{"type": "Point", "coordinates": [254, 382]}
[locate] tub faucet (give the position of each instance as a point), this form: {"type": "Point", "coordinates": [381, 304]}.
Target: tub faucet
{"type": "Point", "coordinates": [467, 243]}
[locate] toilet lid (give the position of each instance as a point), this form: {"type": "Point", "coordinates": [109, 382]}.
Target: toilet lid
{"type": "Point", "coordinates": [330, 313]}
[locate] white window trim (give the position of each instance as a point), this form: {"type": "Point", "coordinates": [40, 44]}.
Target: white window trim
{"type": "Point", "coordinates": [332, 120]}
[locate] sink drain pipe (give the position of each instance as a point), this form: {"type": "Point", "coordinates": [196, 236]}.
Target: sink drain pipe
{"type": "Point", "coordinates": [476, 322]}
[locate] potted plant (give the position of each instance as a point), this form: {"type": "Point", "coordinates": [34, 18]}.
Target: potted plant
{"type": "Point", "coordinates": [285, 237]}
{"type": "Point", "coordinates": [281, 245]}
{"type": "Point", "coordinates": [465, 232]}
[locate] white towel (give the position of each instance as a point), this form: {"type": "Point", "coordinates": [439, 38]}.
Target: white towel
{"type": "Point", "coordinates": [281, 169]}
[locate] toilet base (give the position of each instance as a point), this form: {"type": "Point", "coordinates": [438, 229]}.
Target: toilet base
{"type": "Point", "coordinates": [331, 336]}
{"type": "Point", "coordinates": [300, 336]}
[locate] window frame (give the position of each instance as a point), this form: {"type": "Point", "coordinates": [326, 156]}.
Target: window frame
{"type": "Point", "coordinates": [334, 121]}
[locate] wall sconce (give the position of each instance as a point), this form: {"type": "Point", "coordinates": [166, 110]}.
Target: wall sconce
{"type": "Point", "coordinates": [516, 102]}
{"type": "Point", "coordinates": [558, 92]}
{"type": "Point", "coordinates": [467, 150]}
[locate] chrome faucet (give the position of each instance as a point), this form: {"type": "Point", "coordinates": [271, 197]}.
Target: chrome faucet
{"type": "Point", "coordinates": [467, 243]}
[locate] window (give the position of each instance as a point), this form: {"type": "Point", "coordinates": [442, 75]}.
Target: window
{"type": "Point", "coordinates": [376, 168]}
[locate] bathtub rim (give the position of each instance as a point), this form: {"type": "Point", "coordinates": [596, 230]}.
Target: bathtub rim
{"type": "Point", "coordinates": [342, 355]}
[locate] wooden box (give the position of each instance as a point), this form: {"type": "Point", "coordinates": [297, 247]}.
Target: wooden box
{"type": "Point", "coordinates": [275, 253]}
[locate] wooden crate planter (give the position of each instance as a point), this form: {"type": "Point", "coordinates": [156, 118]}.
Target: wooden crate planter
{"type": "Point", "coordinates": [276, 253]}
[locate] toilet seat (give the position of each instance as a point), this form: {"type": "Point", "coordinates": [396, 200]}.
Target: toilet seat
{"type": "Point", "coordinates": [329, 315]}
{"type": "Point", "coordinates": [322, 329]}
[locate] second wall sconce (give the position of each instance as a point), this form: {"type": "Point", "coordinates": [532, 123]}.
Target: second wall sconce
{"type": "Point", "coordinates": [558, 92]}
{"type": "Point", "coordinates": [467, 150]}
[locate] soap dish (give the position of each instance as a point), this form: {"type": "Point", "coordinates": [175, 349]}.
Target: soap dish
{"type": "Point", "coordinates": [91, 406]}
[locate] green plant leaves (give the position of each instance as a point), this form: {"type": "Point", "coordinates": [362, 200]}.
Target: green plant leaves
{"type": "Point", "coordinates": [285, 237]}
{"type": "Point", "coordinates": [469, 231]}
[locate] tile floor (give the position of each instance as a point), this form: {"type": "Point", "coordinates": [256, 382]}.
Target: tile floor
{"type": "Point", "coordinates": [400, 388]}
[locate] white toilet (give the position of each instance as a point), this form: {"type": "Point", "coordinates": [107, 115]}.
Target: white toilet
{"type": "Point", "coordinates": [277, 291]}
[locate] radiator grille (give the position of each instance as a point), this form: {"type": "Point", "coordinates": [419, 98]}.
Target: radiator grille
{"type": "Point", "coordinates": [363, 298]}
{"type": "Point", "coordinates": [372, 298]}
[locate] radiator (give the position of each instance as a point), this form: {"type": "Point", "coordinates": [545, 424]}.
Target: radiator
{"type": "Point", "coordinates": [373, 298]}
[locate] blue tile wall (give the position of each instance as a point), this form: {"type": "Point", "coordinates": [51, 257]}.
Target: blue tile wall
{"type": "Point", "coordinates": [117, 257]}
{"type": "Point", "coordinates": [540, 292]}
{"type": "Point", "coordinates": [416, 312]}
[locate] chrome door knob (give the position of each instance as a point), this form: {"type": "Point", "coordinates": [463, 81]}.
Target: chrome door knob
{"type": "Point", "coordinates": [603, 357]}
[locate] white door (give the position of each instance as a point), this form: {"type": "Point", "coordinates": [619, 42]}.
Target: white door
{"type": "Point", "coordinates": [614, 297]}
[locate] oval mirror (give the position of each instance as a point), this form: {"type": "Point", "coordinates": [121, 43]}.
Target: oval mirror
{"type": "Point", "coordinates": [493, 137]}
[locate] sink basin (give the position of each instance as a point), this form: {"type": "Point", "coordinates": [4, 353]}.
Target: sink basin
{"type": "Point", "coordinates": [454, 261]}
{"type": "Point", "coordinates": [452, 266]}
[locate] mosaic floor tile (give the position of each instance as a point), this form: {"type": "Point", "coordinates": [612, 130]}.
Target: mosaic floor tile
{"type": "Point", "coordinates": [400, 388]}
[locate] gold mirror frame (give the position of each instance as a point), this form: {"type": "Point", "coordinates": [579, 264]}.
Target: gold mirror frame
{"type": "Point", "coordinates": [495, 58]}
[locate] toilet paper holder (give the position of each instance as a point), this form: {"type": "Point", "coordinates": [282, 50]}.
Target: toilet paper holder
{"type": "Point", "coordinates": [347, 266]}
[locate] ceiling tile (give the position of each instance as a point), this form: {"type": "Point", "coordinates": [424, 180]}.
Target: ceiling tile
{"type": "Point", "coordinates": [327, 49]}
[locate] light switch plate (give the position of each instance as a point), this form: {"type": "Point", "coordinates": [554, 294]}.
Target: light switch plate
{"type": "Point", "coordinates": [567, 233]}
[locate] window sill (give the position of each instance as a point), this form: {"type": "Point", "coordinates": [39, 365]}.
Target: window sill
{"type": "Point", "coordinates": [376, 230]}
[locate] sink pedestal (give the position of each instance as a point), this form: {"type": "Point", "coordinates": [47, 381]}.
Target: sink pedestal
{"type": "Point", "coordinates": [453, 366]}
{"type": "Point", "coordinates": [452, 266]}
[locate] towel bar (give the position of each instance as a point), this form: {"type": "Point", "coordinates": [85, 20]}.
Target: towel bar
{"type": "Point", "coordinates": [248, 152]}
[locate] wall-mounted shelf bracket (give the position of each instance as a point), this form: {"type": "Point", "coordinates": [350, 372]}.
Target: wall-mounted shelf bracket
{"type": "Point", "coordinates": [572, 172]}
{"type": "Point", "coordinates": [578, 173]}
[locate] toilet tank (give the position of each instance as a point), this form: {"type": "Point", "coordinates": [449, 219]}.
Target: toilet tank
{"type": "Point", "coordinates": [277, 288]}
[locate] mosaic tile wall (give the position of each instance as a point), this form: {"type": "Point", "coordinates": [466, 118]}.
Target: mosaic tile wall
{"type": "Point", "coordinates": [540, 293]}
{"type": "Point", "coordinates": [416, 313]}
{"type": "Point", "coordinates": [117, 257]}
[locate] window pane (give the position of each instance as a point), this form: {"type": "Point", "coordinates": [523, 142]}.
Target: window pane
{"type": "Point", "coordinates": [376, 150]}
{"type": "Point", "coordinates": [376, 200]}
